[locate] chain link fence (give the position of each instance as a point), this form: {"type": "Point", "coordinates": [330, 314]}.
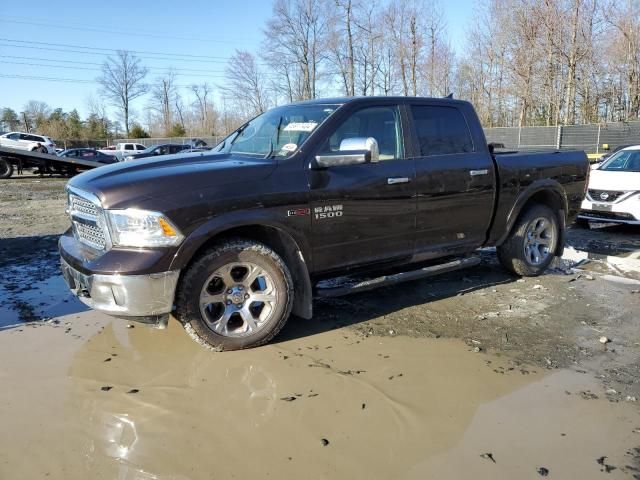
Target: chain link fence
{"type": "Point", "coordinates": [589, 138]}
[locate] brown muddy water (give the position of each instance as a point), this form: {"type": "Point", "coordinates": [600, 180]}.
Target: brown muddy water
{"type": "Point", "coordinates": [95, 399]}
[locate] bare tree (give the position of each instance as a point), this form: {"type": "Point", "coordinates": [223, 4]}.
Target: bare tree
{"type": "Point", "coordinates": [342, 44]}
{"type": "Point", "coordinates": [203, 105]}
{"type": "Point", "coordinates": [35, 114]}
{"type": "Point", "coordinates": [98, 110]}
{"type": "Point", "coordinates": [122, 81]}
{"type": "Point", "coordinates": [163, 98]}
{"type": "Point", "coordinates": [296, 36]}
{"type": "Point", "coordinates": [245, 84]}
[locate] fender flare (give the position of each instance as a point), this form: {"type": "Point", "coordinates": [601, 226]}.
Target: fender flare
{"type": "Point", "coordinates": [547, 185]}
{"type": "Point", "coordinates": [296, 251]}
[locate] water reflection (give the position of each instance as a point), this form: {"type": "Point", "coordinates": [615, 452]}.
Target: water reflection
{"type": "Point", "coordinates": [199, 412]}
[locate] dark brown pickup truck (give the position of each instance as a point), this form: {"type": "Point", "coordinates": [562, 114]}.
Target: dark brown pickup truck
{"type": "Point", "coordinates": [233, 241]}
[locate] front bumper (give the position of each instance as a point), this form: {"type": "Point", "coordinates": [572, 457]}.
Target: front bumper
{"type": "Point", "coordinates": [147, 295]}
{"type": "Point", "coordinates": [627, 211]}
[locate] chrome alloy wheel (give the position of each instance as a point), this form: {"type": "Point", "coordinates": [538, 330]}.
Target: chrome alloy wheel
{"type": "Point", "coordinates": [238, 299]}
{"type": "Point", "coordinates": [539, 241]}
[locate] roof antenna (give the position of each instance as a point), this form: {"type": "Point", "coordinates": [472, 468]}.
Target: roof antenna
{"type": "Point", "coordinates": [450, 96]}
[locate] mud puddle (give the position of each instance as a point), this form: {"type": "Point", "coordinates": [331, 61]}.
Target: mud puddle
{"type": "Point", "coordinates": [96, 399]}
{"type": "Point", "coordinates": [612, 267]}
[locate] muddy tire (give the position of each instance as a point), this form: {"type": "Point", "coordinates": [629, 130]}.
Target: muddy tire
{"type": "Point", "coordinates": [6, 168]}
{"type": "Point", "coordinates": [236, 295]}
{"type": "Point", "coordinates": [530, 247]}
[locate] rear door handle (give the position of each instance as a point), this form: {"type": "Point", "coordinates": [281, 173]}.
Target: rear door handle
{"type": "Point", "coordinates": [395, 180]}
{"type": "Point", "coordinates": [475, 173]}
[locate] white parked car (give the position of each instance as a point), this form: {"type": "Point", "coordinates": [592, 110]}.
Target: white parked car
{"type": "Point", "coordinates": [28, 141]}
{"type": "Point", "coordinates": [124, 149]}
{"type": "Point", "coordinates": [614, 189]}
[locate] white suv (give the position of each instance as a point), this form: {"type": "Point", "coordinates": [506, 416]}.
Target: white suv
{"type": "Point", "coordinates": [28, 141]}
{"type": "Point", "coordinates": [614, 189]}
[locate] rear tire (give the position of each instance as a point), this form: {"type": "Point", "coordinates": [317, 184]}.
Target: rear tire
{"type": "Point", "coordinates": [236, 295]}
{"type": "Point", "coordinates": [529, 248]}
{"type": "Point", "coordinates": [6, 168]}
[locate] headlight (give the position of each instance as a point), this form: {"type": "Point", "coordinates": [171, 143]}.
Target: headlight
{"type": "Point", "coordinates": [141, 228]}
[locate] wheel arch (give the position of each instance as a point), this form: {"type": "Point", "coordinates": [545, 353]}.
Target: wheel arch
{"type": "Point", "coordinates": [547, 192]}
{"type": "Point", "coordinates": [292, 251]}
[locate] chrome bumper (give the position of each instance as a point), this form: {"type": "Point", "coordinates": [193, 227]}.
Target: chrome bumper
{"type": "Point", "coordinates": [124, 295]}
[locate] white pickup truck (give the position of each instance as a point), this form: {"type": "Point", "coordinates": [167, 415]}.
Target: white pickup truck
{"type": "Point", "coordinates": [121, 150]}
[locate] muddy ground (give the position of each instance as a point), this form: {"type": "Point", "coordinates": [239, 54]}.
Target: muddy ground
{"type": "Point", "coordinates": [474, 374]}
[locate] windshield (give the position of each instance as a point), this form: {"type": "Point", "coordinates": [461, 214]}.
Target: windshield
{"type": "Point", "coordinates": [623, 161]}
{"type": "Point", "coordinates": [278, 132]}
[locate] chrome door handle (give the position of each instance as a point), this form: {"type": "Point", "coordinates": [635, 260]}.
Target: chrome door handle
{"type": "Point", "coordinates": [395, 180]}
{"type": "Point", "coordinates": [475, 173]}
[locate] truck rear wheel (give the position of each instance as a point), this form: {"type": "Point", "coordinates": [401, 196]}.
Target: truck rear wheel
{"type": "Point", "coordinates": [6, 168]}
{"type": "Point", "coordinates": [530, 247]}
{"type": "Point", "coordinates": [236, 295]}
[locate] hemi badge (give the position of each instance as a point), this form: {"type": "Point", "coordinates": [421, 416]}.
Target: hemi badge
{"type": "Point", "coordinates": [298, 212]}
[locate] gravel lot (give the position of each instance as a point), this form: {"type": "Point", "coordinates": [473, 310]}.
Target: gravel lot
{"type": "Point", "coordinates": [496, 356]}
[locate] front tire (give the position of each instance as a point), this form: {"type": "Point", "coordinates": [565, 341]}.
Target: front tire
{"type": "Point", "coordinates": [531, 245]}
{"type": "Point", "coordinates": [236, 295]}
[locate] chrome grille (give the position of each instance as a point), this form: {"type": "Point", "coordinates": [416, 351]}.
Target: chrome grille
{"type": "Point", "coordinates": [91, 235]}
{"type": "Point", "coordinates": [87, 221]}
{"type": "Point", "coordinates": [80, 205]}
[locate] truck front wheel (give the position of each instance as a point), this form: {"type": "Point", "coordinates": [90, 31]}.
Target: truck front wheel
{"type": "Point", "coordinates": [530, 247]}
{"type": "Point", "coordinates": [236, 295]}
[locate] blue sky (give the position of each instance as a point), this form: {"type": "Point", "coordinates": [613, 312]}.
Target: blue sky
{"type": "Point", "coordinates": [205, 33]}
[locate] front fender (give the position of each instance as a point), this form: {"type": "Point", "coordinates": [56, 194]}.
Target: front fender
{"type": "Point", "coordinates": [226, 222]}
{"type": "Point", "coordinates": [290, 241]}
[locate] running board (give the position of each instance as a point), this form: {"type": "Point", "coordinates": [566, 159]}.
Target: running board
{"type": "Point", "coordinates": [351, 285]}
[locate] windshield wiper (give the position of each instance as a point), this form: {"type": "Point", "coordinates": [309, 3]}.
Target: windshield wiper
{"type": "Point", "coordinates": [237, 131]}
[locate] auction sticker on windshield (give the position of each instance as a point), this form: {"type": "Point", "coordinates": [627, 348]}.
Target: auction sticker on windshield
{"type": "Point", "coordinates": [289, 147]}
{"type": "Point", "coordinates": [300, 127]}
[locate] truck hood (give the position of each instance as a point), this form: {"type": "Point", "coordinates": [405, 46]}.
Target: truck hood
{"type": "Point", "coordinates": [610, 180]}
{"type": "Point", "coordinates": [130, 184]}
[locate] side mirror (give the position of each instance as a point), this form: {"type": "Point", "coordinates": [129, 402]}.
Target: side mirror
{"type": "Point", "coordinates": [352, 151]}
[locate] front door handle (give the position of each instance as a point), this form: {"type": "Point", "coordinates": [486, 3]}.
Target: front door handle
{"type": "Point", "coordinates": [475, 173]}
{"type": "Point", "coordinates": [395, 180]}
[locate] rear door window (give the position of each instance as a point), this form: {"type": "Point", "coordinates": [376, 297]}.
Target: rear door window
{"type": "Point", "coordinates": [441, 130]}
{"type": "Point", "coordinates": [128, 146]}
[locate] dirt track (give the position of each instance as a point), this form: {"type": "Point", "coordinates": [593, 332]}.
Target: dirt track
{"type": "Point", "coordinates": [524, 354]}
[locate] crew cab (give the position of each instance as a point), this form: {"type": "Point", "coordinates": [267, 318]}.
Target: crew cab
{"type": "Point", "coordinates": [124, 149]}
{"type": "Point", "coordinates": [233, 241]}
